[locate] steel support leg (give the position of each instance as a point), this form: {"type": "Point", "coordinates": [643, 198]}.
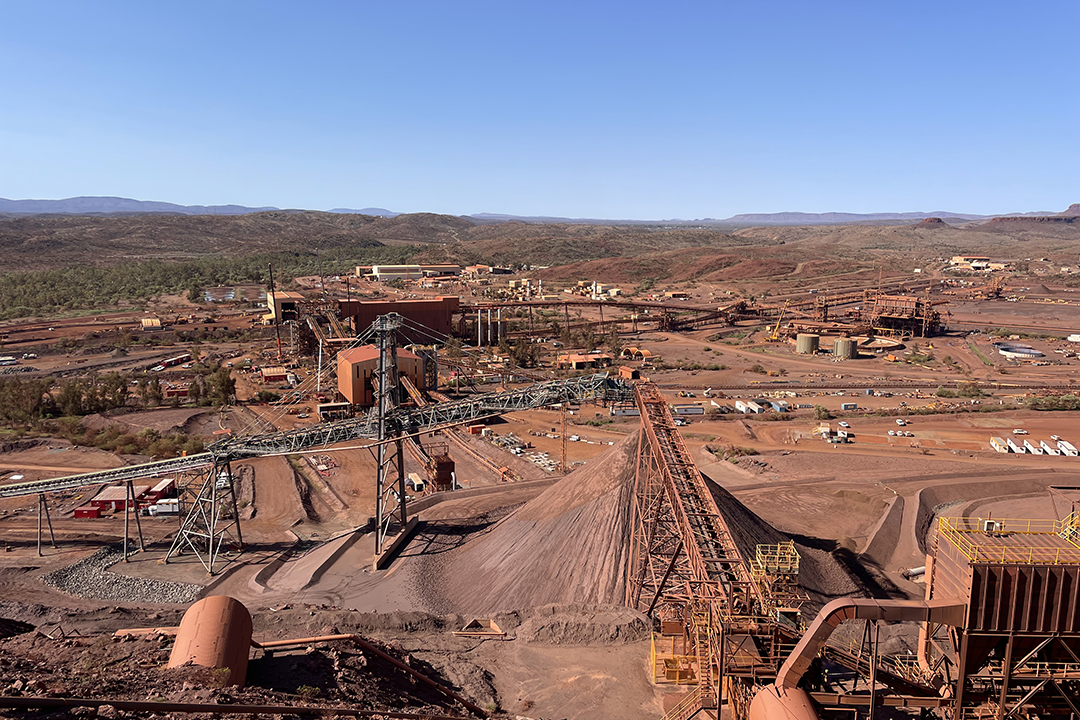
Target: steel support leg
{"type": "Point", "coordinates": [138, 522]}
{"type": "Point", "coordinates": [127, 521]}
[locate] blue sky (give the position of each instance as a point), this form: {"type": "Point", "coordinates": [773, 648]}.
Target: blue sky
{"type": "Point", "coordinates": [585, 109]}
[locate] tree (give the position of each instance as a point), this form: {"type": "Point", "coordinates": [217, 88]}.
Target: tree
{"type": "Point", "coordinates": [822, 413]}
{"type": "Point", "coordinates": [220, 386]}
{"type": "Point", "coordinates": [615, 343]}
{"type": "Point", "coordinates": [588, 339]}
{"type": "Point", "coordinates": [525, 354]}
{"type": "Point", "coordinates": [69, 398]}
{"type": "Point", "coordinates": [154, 396]}
{"type": "Point", "coordinates": [195, 391]}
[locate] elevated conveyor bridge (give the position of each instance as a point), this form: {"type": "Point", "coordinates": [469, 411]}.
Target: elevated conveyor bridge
{"type": "Point", "coordinates": [598, 387]}
{"type": "Point", "coordinates": [687, 572]}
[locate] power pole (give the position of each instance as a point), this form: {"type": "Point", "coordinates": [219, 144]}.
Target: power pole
{"type": "Point", "coordinates": [562, 438]}
{"type": "Point", "coordinates": [274, 310]}
{"type": "Point", "coordinates": [390, 453]}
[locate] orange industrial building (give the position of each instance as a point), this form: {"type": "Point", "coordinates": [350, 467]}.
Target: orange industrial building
{"type": "Point", "coordinates": [357, 366]}
{"type": "Point", "coordinates": [436, 314]}
{"type": "Point", "coordinates": [283, 306]}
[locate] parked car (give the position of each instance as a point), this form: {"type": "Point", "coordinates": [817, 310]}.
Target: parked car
{"type": "Point", "coordinates": [1020, 431]}
{"type": "Point", "coordinates": [843, 424]}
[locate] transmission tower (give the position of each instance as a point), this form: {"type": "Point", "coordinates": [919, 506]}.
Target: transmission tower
{"type": "Point", "coordinates": [213, 523]}
{"type": "Point", "coordinates": [390, 479]}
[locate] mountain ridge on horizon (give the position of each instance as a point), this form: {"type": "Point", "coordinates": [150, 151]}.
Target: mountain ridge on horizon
{"type": "Point", "coordinates": [84, 205]}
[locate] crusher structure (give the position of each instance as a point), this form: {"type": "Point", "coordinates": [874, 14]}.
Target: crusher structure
{"type": "Point", "coordinates": [905, 315]}
{"type": "Point", "coordinates": [999, 635]}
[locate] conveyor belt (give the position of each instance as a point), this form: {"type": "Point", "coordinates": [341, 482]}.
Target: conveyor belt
{"type": "Point", "coordinates": [323, 435]}
{"type": "Point", "coordinates": [715, 561]}
{"type": "Point", "coordinates": [130, 472]}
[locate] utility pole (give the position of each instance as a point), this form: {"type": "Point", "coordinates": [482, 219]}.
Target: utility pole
{"type": "Point", "coordinates": [562, 438]}
{"type": "Point", "coordinates": [390, 454]}
{"type": "Point", "coordinates": [274, 310]}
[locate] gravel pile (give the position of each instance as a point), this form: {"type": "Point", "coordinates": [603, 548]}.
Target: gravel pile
{"type": "Point", "coordinates": [569, 545]}
{"type": "Point", "coordinates": [90, 578]}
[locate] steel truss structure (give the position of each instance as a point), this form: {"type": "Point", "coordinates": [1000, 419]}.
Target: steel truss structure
{"type": "Point", "coordinates": [599, 387]}
{"type": "Point", "coordinates": [390, 449]}
{"type": "Point", "coordinates": [686, 568]}
{"type": "Point", "coordinates": [212, 525]}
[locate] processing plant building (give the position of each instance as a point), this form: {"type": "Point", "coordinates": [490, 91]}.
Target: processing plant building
{"type": "Point", "coordinates": [356, 367]}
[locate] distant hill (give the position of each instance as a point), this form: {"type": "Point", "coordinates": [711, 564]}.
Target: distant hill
{"type": "Point", "coordinates": [377, 212]}
{"type": "Point", "coordinates": [41, 241]}
{"type": "Point", "coordinates": [123, 206]}
{"type": "Point", "coordinates": [840, 218]}
{"type": "Point", "coordinates": [117, 205]}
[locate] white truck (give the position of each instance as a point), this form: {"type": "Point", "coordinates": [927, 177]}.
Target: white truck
{"type": "Point", "coordinates": [168, 506]}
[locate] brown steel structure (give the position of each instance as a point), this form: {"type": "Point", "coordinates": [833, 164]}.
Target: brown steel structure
{"type": "Point", "coordinates": [906, 314]}
{"type": "Point", "coordinates": [999, 636]}
{"type": "Point", "coordinates": [687, 571]}
{"type": "Point", "coordinates": [879, 311]}
{"type": "Point", "coordinates": [669, 316]}
{"type": "Point", "coordinates": [1018, 651]}
{"type": "Point", "coordinates": [1000, 623]}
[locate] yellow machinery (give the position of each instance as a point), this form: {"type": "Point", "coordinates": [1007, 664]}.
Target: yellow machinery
{"type": "Point", "coordinates": [774, 336]}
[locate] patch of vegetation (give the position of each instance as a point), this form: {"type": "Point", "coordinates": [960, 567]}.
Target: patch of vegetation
{"type": "Point", "coordinates": [964, 390]}
{"type": "Point", "coordinates": [1054, 402]}
{"type": "Point", "coordinates": [731, 452]}
{"type": "Point", "coordinates": [1005, 334]}
{"type": "Point", "coordinates": [978, 354]}
{"type": "Point", "coordinates": [50, 292]}
{"type": "Point", "coordinates": [113, 438]}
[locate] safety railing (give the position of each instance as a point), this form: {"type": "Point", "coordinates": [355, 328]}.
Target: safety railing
{"type": "Point", "coordinates": [687, 708]}
{"type": "Point", "coordinates": [672, 667]}
{"type": "Point", "coordinates": [965, 534]}
{"type": "Point", "coordinates": [1040, 670]}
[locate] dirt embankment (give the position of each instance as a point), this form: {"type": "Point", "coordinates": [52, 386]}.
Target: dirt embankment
{"type": "Point", "coordinates": [934, 500]}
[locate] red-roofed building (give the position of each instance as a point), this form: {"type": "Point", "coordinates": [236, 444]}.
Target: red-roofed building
{"type": "Point", "coordinates": [115, 497]}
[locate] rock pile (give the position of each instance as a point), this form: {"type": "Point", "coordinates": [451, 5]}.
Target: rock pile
{"type": "Point", "coordinates": [90, 578]}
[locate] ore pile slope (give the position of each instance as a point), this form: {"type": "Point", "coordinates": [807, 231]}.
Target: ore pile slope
{"type": "Point", "coordinates": [568, 545]}
{"type": "Point", "coordinates": [824, 574]}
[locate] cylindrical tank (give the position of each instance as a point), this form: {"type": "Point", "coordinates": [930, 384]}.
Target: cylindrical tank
{"type": "Point", "coordinates": [845, 348]}
{"type": "Point", "coordinates": [807, 343]}
{"type": "Point", "coordinates": [773, 703]}
{"type": "Point", "coordinates": [215, 633]}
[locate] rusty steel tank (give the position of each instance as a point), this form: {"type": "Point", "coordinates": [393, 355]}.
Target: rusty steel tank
{"type": "Point", "coordinates": [215, 633]}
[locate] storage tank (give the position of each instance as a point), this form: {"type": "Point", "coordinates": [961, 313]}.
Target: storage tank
{"type": "Point", "coordinates": [807, 343]}
{"type": "Point", "coordinates": [845, 348]}
{"type": "Point", "coordinates": [215, 633]}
